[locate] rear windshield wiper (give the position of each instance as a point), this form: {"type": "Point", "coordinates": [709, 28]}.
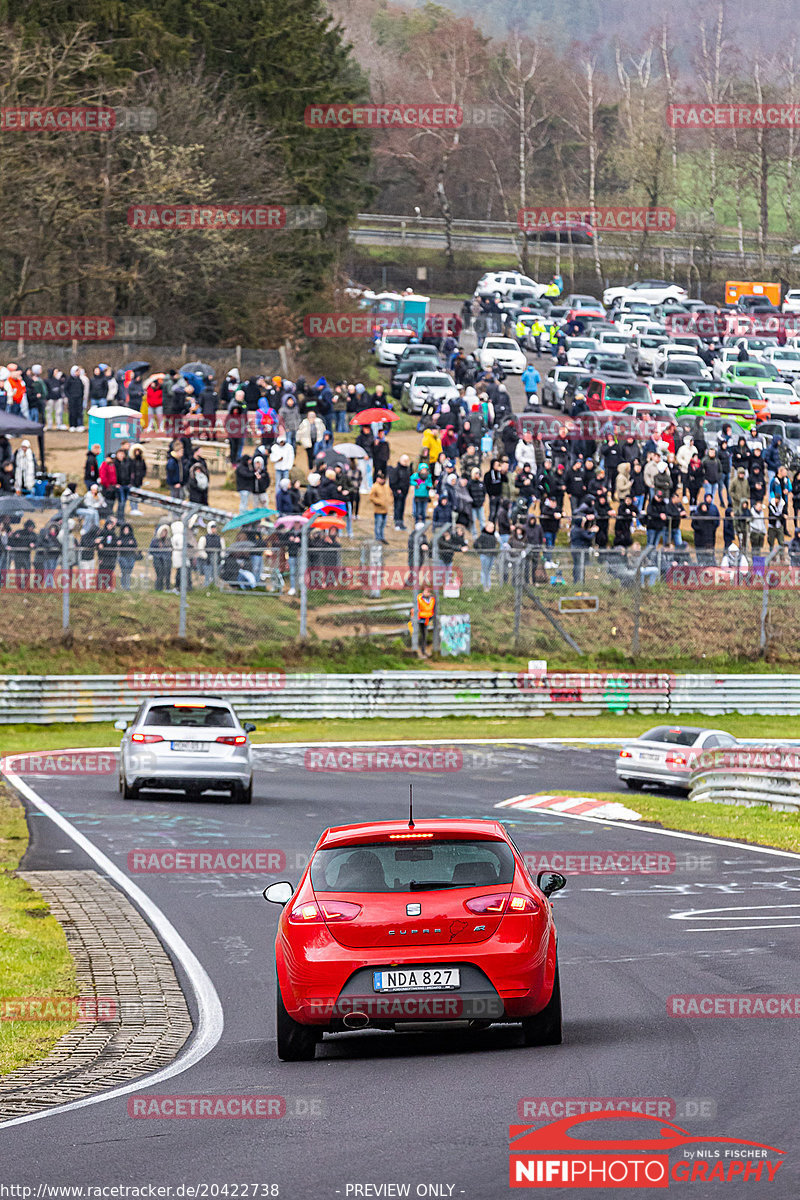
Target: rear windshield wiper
{"type": "Point", "coordinates": [424, 885]}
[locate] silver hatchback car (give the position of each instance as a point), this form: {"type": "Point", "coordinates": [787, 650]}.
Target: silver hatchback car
{"type": "Point", "coordinates": [190, 743]}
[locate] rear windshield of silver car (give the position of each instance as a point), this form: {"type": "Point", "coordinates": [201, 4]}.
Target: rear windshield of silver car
{"type": "Point", "coordinates": [194, 716]}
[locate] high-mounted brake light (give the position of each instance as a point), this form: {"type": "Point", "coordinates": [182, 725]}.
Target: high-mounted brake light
{"type": "Point", "coordinates": [501, 902]}
{"type": "Point", "coordinates": [238, 740]}
{"type": "Point", "coordinates": [146, 737]}
{"type": "Point", "coordinates": [408, 837]}
{"type": "Point", "coordinates": [312, 912]}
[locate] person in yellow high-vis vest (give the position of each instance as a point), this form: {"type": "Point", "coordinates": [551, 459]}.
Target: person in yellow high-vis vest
{"type": "Point", "coordinates": [426, 609]}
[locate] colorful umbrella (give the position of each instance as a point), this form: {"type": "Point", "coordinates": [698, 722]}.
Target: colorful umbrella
{"type": "Point", "coordinates": [328, 506]}
{"type": "Point", "coordinates": [370, 416]}
{"type": "Point", "coordinates": [330, 523]}
{"type": "Point", "coordinates": [290, 521]}
{"type": "Point", "coordinates": [247, 518]}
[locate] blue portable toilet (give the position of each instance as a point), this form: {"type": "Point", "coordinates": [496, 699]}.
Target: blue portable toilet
{"type": "Point", "coordinates": [112, 425]}
{"type": "Point", "coordinates": [415, 311]}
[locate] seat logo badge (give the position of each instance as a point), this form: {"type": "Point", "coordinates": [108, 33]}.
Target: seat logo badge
{"type": "Point", "coordinates": [413, 910]}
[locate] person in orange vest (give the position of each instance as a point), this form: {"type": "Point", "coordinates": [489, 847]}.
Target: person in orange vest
{"type": "Point", "coordinates": [426, 608]}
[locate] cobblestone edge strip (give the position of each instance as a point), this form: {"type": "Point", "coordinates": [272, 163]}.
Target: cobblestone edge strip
{"type": "Point", "coordinates": [117, 958]}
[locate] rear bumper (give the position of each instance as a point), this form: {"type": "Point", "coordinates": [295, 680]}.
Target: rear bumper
{"type": "Point", "coordinates": [652, 773]}
{"type": "Point", "coordinates": [159, 771]}
{"type": "Point", "coordinates": [323, 986]}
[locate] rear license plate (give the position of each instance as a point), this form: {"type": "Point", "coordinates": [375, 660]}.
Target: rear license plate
{"type": "Point", "coordinates": [649, 757]}
{"type": "Point", "coordinates": [417, 980]}
{"type": "Point", "coordinates": [192, 747]}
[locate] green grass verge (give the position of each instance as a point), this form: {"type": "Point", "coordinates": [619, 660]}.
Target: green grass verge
{"type": "Point", "coordinates": [17, 739]}
{"type": "Point", "coordinates": [34, 959]}
{"type": "Point", "coordinates": [759, 826]}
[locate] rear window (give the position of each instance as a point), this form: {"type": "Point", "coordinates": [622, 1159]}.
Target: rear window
{"type": "Point", "coordinates": [395, 867]}
{"type": "Point", "coordinates": [735, 403]}
{"type": "Point", "coordinates": [190, 716]}
{"type": "Point", "coordinates": [674, 736]}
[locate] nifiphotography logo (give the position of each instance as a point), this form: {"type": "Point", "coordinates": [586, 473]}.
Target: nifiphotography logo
{"type": "Point", "coordinates": [561, 1155]}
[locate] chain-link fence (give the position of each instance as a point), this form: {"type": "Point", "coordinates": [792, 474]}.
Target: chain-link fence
{"type": "Point", "coordinates": [164, 571]}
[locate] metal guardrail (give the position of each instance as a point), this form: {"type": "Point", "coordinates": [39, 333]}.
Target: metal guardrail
{"type": "Point", "coordinates": [41, 699]}
{"type": "Point", "coordinates": [749, 776]}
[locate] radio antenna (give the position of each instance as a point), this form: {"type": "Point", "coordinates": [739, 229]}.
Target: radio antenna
{"type": "Point", "coordinates": [411, 806]}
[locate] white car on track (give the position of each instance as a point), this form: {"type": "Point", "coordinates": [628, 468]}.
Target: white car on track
{"type": "Point", "coordinates": [666, 754]}
{"type": "Point", "coordinates": [189, 743]}
{"type": "Point", "coordinates": [504, 351]}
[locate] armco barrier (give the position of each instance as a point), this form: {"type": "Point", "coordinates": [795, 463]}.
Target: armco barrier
{"type": "Point", "coordinates": [43, 699]}
{"type": "Point", "coordinates": [749, 775]}
{"type": "Point", "coordinates": [46, 698]}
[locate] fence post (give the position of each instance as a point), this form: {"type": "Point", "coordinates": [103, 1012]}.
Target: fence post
{"type": "Point", "coordinates": [637, 584]}
{"type": "Point", "coordinates": [417, 535]}
{"type": "Point", "coordinates": [765, 599]}
{"type": "Point", "coordinates": [303, 572]}
{"type": "Point", "coordinates": [65, 580]}
{"type": "Point", "coordinates": [184, 575]}
{"type": "Point", "coordinates": [517, 576]}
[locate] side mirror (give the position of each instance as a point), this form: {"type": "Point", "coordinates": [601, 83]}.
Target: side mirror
{"type": "Point", "coordinates": [249, 727]}
{"type": "Point", "coordinates": [121, 725]}
{"type": "Point", "coordinates": [279, 893]}
{"type": "Point", "coordinates": [550, 882]}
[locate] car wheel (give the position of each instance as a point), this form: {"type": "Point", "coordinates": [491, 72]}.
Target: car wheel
{"type": "Point", "coordinates": [296, 1042]}
{"type": "Point", "coordinates": [242, 794]}
{"type": "Point", "coordinates": [128, 791]}
{"type": "Point", "coordinates": [630, 783]}
{"type": "Point", "coordinates": [545, 1028]}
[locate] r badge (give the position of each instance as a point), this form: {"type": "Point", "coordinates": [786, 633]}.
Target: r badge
{"type": "Point", "coordinates": [413, 910]}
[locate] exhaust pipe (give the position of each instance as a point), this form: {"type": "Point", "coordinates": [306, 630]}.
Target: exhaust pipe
{"type": "Point", "coordinates": [355, 1020]}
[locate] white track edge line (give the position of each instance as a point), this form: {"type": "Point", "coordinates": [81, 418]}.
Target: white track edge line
{"type": "Point", "coordinates": [209, 1007]}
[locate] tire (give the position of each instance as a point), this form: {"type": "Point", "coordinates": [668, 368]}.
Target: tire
{"type": "Point", "coordinates": [242, 794]}
{"type": "Point", "coordinates": [128, 792]}
{"type": "Point", "coordinates": [630, 783]}
{"type": "Point", "coordinates": [296, 1042]}
{"type": "Point", "coordinates": [545, 1028]}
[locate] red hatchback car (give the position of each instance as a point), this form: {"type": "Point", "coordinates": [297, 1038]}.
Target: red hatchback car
{"type": "Point", "coordinates": [397, 924]}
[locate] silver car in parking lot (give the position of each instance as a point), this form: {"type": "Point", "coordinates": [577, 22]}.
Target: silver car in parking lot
{"type": "Point", "coordinates": [190, 743]}
{"type": "Point", "coordinates": [667, 753]}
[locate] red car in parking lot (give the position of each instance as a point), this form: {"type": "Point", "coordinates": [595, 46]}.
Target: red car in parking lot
{"type": "Point", "coordinates": [400, 923]}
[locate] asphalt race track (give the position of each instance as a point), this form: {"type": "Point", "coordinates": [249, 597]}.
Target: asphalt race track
{"type": "Point", "coordinates": [434, 1108]}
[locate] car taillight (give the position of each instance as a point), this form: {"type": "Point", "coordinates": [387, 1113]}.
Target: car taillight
{"type": "Point", "coordinates": [625, 754]}
{"type": "Point", "coordinates": [676, 760]}
{"type": "Point", "coordinates": [146, 737]}
{"type": "Point", "coordinates": [502, 902]}
{"type": "Point", "coordinates": [238, 740]}
{"type": "Point", "coordinates": [313, 912]}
